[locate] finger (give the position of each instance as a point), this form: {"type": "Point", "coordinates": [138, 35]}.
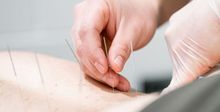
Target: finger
{"type": "Point", "coordinates": [124, 84]}
{"type": "Point", "coordinates": [90, 70]}
{"type": "Point", "coordinates": [111, 78]}
{"type": "Point", "coordinates": [121, 46]}
{"type": "Point", "coordinates": [91, 54]}
{"type": "Point", "coordinates": [90, 20]}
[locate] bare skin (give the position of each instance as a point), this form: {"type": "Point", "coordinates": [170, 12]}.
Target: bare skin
{"type": "Point", "coordinates": [61, 91]}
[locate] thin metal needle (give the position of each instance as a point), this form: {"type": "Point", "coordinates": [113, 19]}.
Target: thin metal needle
{"type": "Point", "coordinates": [133, 63]}
{"type": "Point", "coordinates": [42, 79]}
{"type": "Point", "coordinates": [12, 62]}
{"type": "Point", "coordinates": [15, 74]}
{"type": "Point", "coordinates": [105, 46]}
{"type": "Point", "coordinates": [71, 49]}
{"type": "Point", "coordinates": [106, 53]}
{"type": "Point", "coordinates": [39, 69]}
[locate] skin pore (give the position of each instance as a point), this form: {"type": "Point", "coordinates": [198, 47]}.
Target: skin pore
{"type": "Point", "coordinates": [60, 90]}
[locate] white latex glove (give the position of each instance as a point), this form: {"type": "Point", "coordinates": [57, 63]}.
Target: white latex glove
{"type": "Point", "coordinates": [193, 39]}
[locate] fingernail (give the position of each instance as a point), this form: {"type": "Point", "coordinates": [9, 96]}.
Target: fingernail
{"type": "Point", "coordinates": [99, 67]}
{"type": "Point", "coordinates": [119, 61]}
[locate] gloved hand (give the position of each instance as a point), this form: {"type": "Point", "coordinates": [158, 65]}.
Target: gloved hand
{"type": "Point", "coordinates": [122, 22]}
{"type": "Point", "coordinates": [193, 39]}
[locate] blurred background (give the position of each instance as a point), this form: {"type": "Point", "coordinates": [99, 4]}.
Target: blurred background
{"type": "Point", "coordinates": [42, 25]}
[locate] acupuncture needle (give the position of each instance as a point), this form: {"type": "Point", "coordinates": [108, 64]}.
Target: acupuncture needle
{"type": "Point", "coordinates": [106, 53]}
{"type": "Point", "coordinates": [15, 74]}
{"type": "Point", "coordinates": [42, 79]}
{"type": "Point", "coordinates": [132, 60]}
{"type": "Point", "coordinates": [105, 46]}
{"type": "Point", "coordinates": [71, 49]}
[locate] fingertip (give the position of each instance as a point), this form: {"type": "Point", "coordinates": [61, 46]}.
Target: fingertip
{"type": "Point", "coordinates": [118, 55]}
{"type": "Point", "coordinates": [117, 64]}
{"type": "Point", "coordinates": [111, 78]}
{"type": "Point", "coordinates": [124, 84]}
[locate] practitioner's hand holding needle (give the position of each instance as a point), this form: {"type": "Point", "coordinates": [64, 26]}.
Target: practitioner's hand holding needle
{"type": "Point", "coordinates": [121, 22]}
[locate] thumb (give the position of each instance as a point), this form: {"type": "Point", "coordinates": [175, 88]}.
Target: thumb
{"type": "Point", "coordinates": [121, 48]}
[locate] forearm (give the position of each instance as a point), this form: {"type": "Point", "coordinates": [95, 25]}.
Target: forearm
{"type": "Point", "coordinates": [168, 7]}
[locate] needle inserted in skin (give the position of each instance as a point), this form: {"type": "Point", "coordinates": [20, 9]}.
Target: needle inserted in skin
{"type": "Point", "coordinates": [42, 79]}
{"type": "Point", "coordinates": [133, 63]}
{"type": "Point", "coordinates": [71, 49]}
{"type": "Point", "coordinates": [39, 69]}
{"type": "Point", "coordinates": [15, 74]}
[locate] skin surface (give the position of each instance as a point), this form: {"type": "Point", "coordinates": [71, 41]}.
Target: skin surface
{"type": "Point", "coordinates": [60, 90]}
{"type": "Point", "coordinates": [124, 23]}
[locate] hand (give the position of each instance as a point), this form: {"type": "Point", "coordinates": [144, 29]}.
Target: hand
{"type": "Point", "coordinates": [123, 22]}
{"type": "Point", "coordinates": [193, 39]}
